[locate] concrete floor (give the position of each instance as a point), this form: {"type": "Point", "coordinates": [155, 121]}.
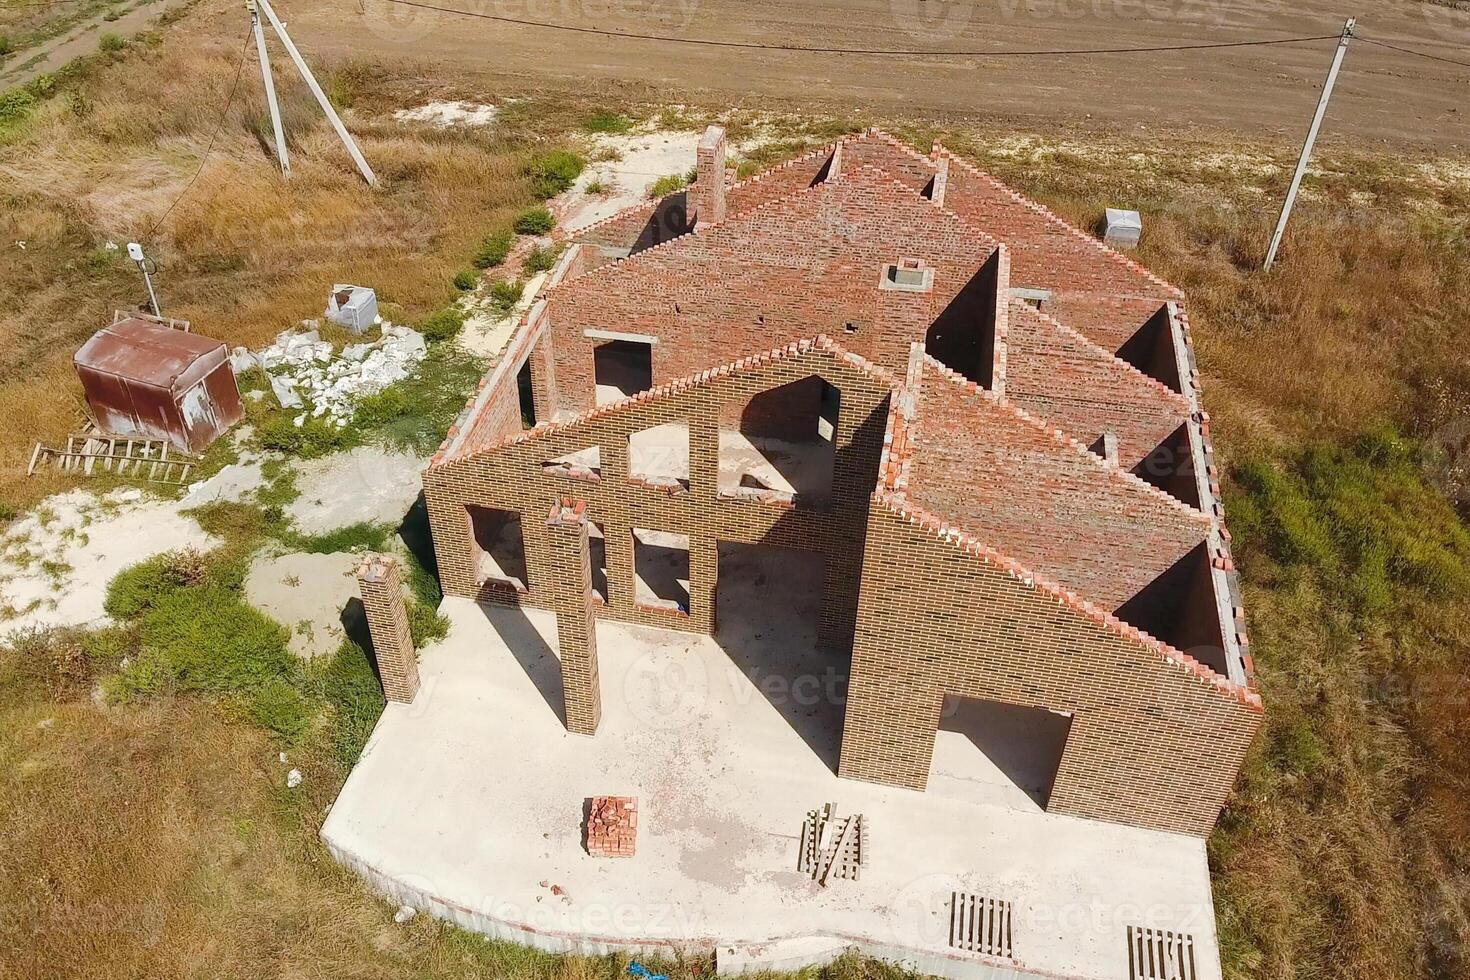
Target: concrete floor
{"type": "Point", "coordinates": [467, 803]}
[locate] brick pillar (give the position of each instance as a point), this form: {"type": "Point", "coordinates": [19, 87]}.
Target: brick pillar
{"type": "Point", "coordinates": [387, 617]}
{"type": "Point", "coordinates": [568, 590]}
{"type": "Point", "coordinates": [707, 196]}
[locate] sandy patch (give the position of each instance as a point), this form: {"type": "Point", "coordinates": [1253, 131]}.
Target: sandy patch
{"type": "Point", "coordinates": [642, 158]}
{"type": "Point", "coordinates": [306, 593]}
{"type": "Point", "coordinates": [486, 331]}
{"type": "Point", "coordinates": [366, 484]}
{"type": "Point", "coordinates": [55, 562]}
{"type": "Point", "coordinates": [446, 114]}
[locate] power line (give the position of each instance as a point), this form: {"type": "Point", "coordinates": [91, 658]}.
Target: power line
{"type": "Point", "coordinates": [809, 49]}
{"type": "Point", "coordinates": [224, 114]}
{"type": "Point", "coordinates": [1412, 51]}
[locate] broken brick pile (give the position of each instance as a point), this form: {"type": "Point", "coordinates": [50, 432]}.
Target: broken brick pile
{"type": "Point", "coordinates": [612, 826]}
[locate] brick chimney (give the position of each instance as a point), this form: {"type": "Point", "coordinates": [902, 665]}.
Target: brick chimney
{"type": "Point", "coordinates": [707, 196]}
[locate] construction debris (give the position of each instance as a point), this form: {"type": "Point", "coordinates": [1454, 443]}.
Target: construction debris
{"type": "Point", "coordinates": [1121, 228]}
{"type": "Point", "coordinates": [353, 307]}
{"type": "Point", "coordinates": [307, 373]}
{"type": "Point", "coordinates": [612, 827]}
{"type": "Point", "coordinates": [832, 847]}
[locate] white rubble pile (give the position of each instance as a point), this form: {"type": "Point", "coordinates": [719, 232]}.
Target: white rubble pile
{"type": "Point", "coordinates": [306, 373]}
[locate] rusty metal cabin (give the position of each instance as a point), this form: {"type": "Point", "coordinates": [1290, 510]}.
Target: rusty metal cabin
{"type": "Point", "coordinates": [145, 378]}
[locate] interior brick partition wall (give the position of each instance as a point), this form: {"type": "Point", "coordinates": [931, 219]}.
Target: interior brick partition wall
{"type": "Point", "coordinates": [1060, 375]}
{"type": "Point", "coordinates": [511, 476]}
{"type": "Point", "coordinates": [387, 618]}
{"type": "Point", "coordinates": [1155, 740]}
{"type": "Point", "coordinates": [568, 592]}
{"type": "Point", "coordinates": [707, 196]}
{"type": "Point", "coordinates": [1113, 533]}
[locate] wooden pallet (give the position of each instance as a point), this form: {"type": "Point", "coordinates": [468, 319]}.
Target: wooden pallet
{"type": "Point", "coordinates": [87, 451]}
{"type": "Point", "coordinates": [832, 847]}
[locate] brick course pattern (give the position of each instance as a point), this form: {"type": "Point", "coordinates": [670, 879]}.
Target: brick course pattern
{"type": "Point", "coordinates": [387, 617]}
{"type": "Point", "coordinates": [976, 542]}
{"type": "Point", "coordinates": [612, 826]}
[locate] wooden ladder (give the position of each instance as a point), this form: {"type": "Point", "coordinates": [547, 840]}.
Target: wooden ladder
{"type": "Point", "coordinates": [151, 459]}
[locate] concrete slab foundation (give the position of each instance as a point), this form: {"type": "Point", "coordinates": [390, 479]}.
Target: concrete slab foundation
{"type": "Point", "coordinates": [468, 803]}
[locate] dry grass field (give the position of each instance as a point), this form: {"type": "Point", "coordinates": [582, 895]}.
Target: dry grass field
{"type": "Point", "coordinates": [154, 837]}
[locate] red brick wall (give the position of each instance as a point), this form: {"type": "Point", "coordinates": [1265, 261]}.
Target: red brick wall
{"type": "Point", "coordinates": [1108, 321]}
{"type": "Point", "coordinates": [1155, 741]}
{"type": "Point", "coordinates": [807, 266]}
{"type": "Point", "coordinates": [1060, 376]}
{"type": "Point", "coordinates": [1023, 490]}
{"type": "Point", "coordinates": [510, 477]}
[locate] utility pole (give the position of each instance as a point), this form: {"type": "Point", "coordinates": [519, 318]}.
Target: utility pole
{"type": "Point", "coordinates": [316, 90]}
{"type": "Point", "coordinates": [135, 252]}
{"type": "Point", "coordinates": [270, 87]}
{"type": "Point", "coordinates": [1301, 164]}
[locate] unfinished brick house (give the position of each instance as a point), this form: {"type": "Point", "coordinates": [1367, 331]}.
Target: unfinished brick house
{"type": "Point", "coordinates": [985, 422]}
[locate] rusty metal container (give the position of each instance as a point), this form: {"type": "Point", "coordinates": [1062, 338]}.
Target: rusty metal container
{"type": "Point", "coordinates": [143, 377]}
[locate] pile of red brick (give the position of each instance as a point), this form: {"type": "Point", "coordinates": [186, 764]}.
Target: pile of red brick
{"type": "Point", "coordinates": [612, 826]}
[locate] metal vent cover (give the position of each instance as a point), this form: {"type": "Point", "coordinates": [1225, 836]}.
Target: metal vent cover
{"type": "Point", "coordinates": [1158, 954]}
{"type": "Point", "coordinates": [980, 925]}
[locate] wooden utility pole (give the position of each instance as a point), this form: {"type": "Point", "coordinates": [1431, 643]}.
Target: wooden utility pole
{"type": "Point", "coordinates": [270, 87]}
{"type": "Point", "coordinates": [316, 90]}
{"type": "Point", "coordinates": [1301, 164]}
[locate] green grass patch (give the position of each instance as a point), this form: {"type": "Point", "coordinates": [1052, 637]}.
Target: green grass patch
{"type": "Point", "coordinates": [312, 438]}
{"type": "Point", "coordinates": [110, 42]}
{"type": "Point", "coordinates": [607, 122]}
{"type": "Point", "coordinates": [553, 172]}
{"type": "Point", "coordinates": [362, 536]}
{"type": "Point", "coordinates": [1362, 517]}
{"type": "Point", "coordinates": [415, 413]}
{"type": "Point", "coordinates": [466, 279]}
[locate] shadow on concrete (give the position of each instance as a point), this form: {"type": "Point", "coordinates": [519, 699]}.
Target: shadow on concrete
{"type": "Point", "coordinates": [416, 536]}
{"type": "Point", "coordinates": [355, 625]}
{"type": "Point", "coordinates": [1024, 744]}
{"type": "Point", "coordinates": [770, 602]}
{"type": "Point", "coordinates": [537, 659]}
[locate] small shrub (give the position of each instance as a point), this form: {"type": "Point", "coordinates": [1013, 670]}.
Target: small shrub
{"type": "Point", "coordinates": [313, 437]}
{"type": "Point", "coordinates": [110, 42]}
{"type": "Point", "coordinates": [506, 293]}
{"type": "Point", "coordinates": [279, 706]}
{"type": "Point", "coordinates": [534, 221]}
{"type": "Point", "coordinates": [607, 122]}
{"type": "Point", "coordinates": [668, 184]}
{"type": "Point", "coordinates": [465, 280]}
{"type": "Point", "coordinates": [135, 590]}
{"type": "Point", "coordinates": [5, 46]}
{"type": "Point", "coordinates": [16, 106]}
{"type": "Point", "coordinates": [553, 172]}
{"type": "Point", "coordinates": [494, 249]}
{"type": "Point", "coordinates": [442, 325]}
{"type": "Point", "coordinates": [111, 16]}
{"type": "Point", "coordinates": [597, 186]}
{"type": "Point", "coordinates": [540, 260]}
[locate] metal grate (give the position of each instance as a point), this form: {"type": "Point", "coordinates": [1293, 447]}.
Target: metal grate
{"type": "Point", "coordinates": [980, 925]}
{"type": "Point", "coordinates": [1157, 954]}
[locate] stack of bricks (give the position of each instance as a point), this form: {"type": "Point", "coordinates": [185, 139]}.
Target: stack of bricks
{"type": "Point", "coordinates": [387, 619]}
{"type": "Point", "coordinates": [612, 826]}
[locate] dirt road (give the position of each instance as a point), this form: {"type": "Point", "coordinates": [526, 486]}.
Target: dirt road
{"type": "Point", "coordinates": [80, 40]}
{"type": "Point", "coordinates": [1382, 94]}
